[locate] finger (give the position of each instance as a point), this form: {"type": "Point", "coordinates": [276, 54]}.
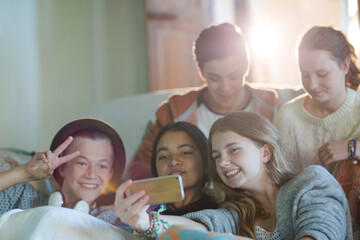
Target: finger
{"type": "Point", "coordinates": [37, 156]}
{"type": "Point", "coordinates": [49, 162]}
{"type": "Point", "coordinates": [66, 158]}
{"type": "Point", "coordinates": [131, 201]}
{"type": "Point", "coordinates": [139, 205]}
{"type": "Point", "coordinates": [321, 149]}
{"type": "Point", "coordinates": [325, 154]}
{"type": "Point", "coordinates": [327, 157]}
{"type": "Point", "coordinates": [63, 146]}
{"type": "Point", "coordinates": [322, 156]}
{"type": "Point", "coordinates": [121, 190]}
{"type": "Point", "coordinates": [42, 157]}
{"type": "Point", "coordinates": [327, 163]}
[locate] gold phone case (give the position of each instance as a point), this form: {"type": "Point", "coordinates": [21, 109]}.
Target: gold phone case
{"type": "Point", "coordinates": [160, 189]}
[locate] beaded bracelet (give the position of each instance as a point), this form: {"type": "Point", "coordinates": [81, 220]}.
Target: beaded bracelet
{"type": "Point", "coordinates": [352, 150]}
{"type": "Point", "coordinates": [149, 233]}
{"type": "Point", "coordinates": [155, 223]}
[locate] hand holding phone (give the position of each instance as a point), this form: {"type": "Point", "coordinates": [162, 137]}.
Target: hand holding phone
{"type": "Point", "coordinates": [160, 189]}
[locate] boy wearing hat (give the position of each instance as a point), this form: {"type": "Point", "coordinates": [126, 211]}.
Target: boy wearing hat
{"type": "Point", "coordinates": [86, 158]}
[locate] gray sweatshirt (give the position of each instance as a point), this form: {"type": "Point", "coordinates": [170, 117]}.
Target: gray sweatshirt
{"type": "Point", "coordinates": [311, 204]}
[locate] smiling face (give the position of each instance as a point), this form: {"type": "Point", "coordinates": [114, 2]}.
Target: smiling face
{"type": "Point", "coordinates": [176, 153]}
{"type": "Point", "coordinates": [322, 77]}
{"type": "Point", "coordinates": [87, 176]}
{"type": "Point", "coordinates": [239, 161]}
{"type": "Point", "coordinates": [225, 80]}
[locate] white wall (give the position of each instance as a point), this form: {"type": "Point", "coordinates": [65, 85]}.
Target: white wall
{"type": "Point", "coordinates": [19, 74]}
{"type": "Point", "coordinates": [58, 58]}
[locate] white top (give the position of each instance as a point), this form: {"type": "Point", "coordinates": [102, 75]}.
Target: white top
{"type": "Point", "coordinates": [303, 134]}
{"type": "Point", "coordinates": [206, 117]}
{"type": "Point", "coordinates": [262, 234]}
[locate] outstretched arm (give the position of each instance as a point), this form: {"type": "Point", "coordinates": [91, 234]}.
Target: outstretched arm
{"type": "Point", "coordinates": [40, 166]}
{"type": "Point", "coordinates": [132, 210]}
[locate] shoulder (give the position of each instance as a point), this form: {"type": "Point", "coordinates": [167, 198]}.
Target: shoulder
{"type": "Point", "coordinates": [294, 104]}
{"type": "Point", "coordinates": [313, 182]}
{"type": "Point", "coordinates": [180, 102]}
{"type": "Point", "coordinates": [264, 93]}
{"type": "Point", "coordinates": [354, 96]}
{"type": "Point", "coordinates": [312, 177]}
{"type": "Point", "coordinates": [289, 111]}
{"type": "Point", "coordinates": [308, 201]}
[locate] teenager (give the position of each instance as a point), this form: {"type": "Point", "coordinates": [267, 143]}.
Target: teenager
{"type": "Point", "coordinates": [87, 160]}
{"type": "Point", "coordinates": [223, 61]}
{"type": "Point", "coordinates": [323, 125]}
{"type": "Point", "coordinates": [261, 197]}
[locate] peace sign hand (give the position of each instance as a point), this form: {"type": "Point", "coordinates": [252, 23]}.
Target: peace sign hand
{"type": "Point", "coordinates": [43, 164]}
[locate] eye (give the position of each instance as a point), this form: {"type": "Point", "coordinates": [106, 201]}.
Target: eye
{"type": "Point", "coordinates": [213, 78]}
{"type": "Point", "coordinates": [103, 166]}
{"type": "Point", "coordinates": [186, 153]}
{"type": "Point", "coordinates": [322, 74]}
{"type": "Point", "coordinates": [233, 150]}
{"type": "Point", "coordinates": [216, 156]}
{"type": "Point", "coordinates": [81, 163]}
{"type": "Point", "coordinates": [163, 157]}
{"type": "Point", "coordinates": [236, 76]}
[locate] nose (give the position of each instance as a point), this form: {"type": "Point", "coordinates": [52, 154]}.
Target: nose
{"type": "Point", "coordinates": [224, 161]}
{"type": "Point", "coordinates": [313, 83]}
{"type": "Point", "coordinates": [91, 171]}
{"type": "Point", "coordinates": [175, 160]}
{"type": "Point", "coordinates": [225, 85]}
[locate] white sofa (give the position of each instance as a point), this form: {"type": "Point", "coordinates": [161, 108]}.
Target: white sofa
{"type": "Point", "coordinates": [131, 115]}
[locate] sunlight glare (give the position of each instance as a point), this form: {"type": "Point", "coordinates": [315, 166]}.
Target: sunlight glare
{"type": "Point", "coordinates": [265, 41]}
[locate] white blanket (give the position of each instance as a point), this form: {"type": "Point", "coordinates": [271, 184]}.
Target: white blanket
{"type": "Point", "coordinates": [52, 223]}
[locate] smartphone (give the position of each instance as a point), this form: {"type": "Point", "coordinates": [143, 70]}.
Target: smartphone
{"type": "Point", "coordinates": [163, 189]}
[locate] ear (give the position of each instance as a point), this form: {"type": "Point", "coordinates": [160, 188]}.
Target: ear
{"type": "Point", "coordinates": [346, 65]}
{"type": "Point", "coordinates": [266, 153]}
{"type": "Point", "coordinates": [61, 170]}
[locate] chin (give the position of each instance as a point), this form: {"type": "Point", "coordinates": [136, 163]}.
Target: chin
{"type": "Point", "coordinates": [90, 198]}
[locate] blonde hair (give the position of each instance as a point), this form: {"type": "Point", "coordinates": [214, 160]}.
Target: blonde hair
{"type": "Point", "coordinates": [261, 131]}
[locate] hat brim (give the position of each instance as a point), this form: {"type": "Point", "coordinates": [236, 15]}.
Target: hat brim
{"type": "Point", "coordinates": [99, 125]}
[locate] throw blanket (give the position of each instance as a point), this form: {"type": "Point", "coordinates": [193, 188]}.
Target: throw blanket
{"type": "Point", "coordinates": [180, 232]}
{"type": "Point", "coordinates": [55, 223]}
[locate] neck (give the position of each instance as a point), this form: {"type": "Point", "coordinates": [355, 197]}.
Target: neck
{"type": "Point", "coordinates": [71, 203]}
{"type": "Point", "coordinates": [323, 109]}
{"type": "Point", "coordinates": [267, 198]}
{"type": "Point", "coordinates": [242, 100]}
{"type": "Point", "coordinates": [266, 195]}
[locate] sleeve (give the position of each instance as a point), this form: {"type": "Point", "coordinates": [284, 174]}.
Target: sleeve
{"type": "Point", "coordinates": [222, 220]}
{"type": "Point", "coordinates": [20, 196]}
{"type": "Point", "coordinates": [140, 166]}
{"type": "Point", "coordinates": [319, 207]}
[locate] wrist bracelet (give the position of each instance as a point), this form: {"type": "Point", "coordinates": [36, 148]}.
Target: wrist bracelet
{"type": "Point", "coordinates": [155, 223]}
{"type": "Point", "coordinates": [150, 232]}
{"type": "Point", "coordinates": [352, 150]}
